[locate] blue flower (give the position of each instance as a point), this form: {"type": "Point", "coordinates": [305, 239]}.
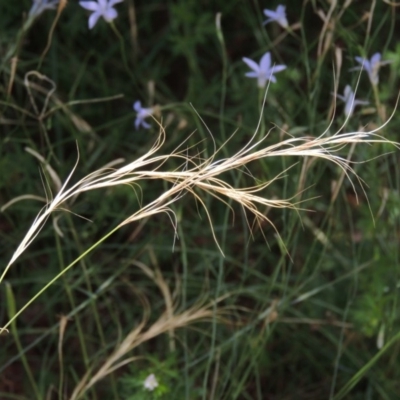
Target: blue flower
{"type": "Point", "coordinates": [372, 67]}
{"type": "Point", "coordinates": [141, 114]}
{"type": "Point", "coordinates": [39, 6]}
{"type": "Point", "coordinates": [350, 101]}
{"type": "Point", "coordinates": [100, 8]}
{"type": "Point", "coordinates": [264, 71]}
{"type": "Point", "coordinates": [279, 16]}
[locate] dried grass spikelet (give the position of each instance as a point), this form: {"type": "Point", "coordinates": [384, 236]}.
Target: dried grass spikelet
{"type": "Point", "coordinates": [196, 174]}
{"type": "Point", "coordinates": [201, 174]}
{"type": "Point", "coordinates": [165, 323]}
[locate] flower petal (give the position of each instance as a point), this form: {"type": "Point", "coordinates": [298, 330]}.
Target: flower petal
{"type": "Point", "coordinates": [271, 14]}
{"type": "Point", "coordinates": [145, 124]}
{"type": "Point", "coordinates": [251, 74]}
{"type": "Point", "coordinates": [281, 10]}
{"type": "Point", "coordinates": [94, 18]}
{"type": "Point", "coordinates": [375, 59]}
{"type": "Point", "coordinates": [267, 21]}
{"type": "Point", "coordinates": [265, 62]}
{"type": "Point", "coordinates": [349, 108]}
{"type": "Point", "coordinates": [137, 105]}
{"type": "Point", "coordinates": [40, 6]}
{"type": "Point", "coordinates": [359, 59]}
{"type": "Point", "coordinates": [278, 68]}
{"type": "Point", "coordinates": [340, 97]}
{"type": "Point", "coordinates": [145, 112]}
{"type": "Point", "coordinates": [350, 101]}
{"type": "Point", "coordinates": [252, 64]}
{"type": "Point", "coordinates": [347, 92]}
{"type": "Point", "coordinates": [138, 121]}
{"type": "Point", "coordinates": [281, 19]}
{"type": "Point", "coordinates": [361, 102]}
{"type": "Point", "coordinates": [89, 5]}
{"type": "Point", "coordinates": [35, 9]}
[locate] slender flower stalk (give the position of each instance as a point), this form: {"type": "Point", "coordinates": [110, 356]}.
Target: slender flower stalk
{"type": "Point", "coordinates": [264, 71]}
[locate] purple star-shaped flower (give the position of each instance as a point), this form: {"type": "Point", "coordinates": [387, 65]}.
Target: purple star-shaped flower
{"type": "Point", "coordinates": [372, 67]}
{"type": "Point", "coordinates": [100, 8]}
{"type": "Point", "coordinates": [141, 114]}
{"type": "Point", "coordinates": [350, 101]}
{"type": "Point", "coordinates": [279, 16]}
{"type": "Point", "coordinates": [264, 71]}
